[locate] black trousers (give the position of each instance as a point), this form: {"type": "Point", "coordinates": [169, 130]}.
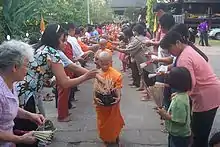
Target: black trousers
{"type": "Point", "coordinates": [148, 81]}
{"type": "Point", "coordinates": [201, 127]}
{"type": "Point", "coordinates": [204, 38]}
{"type": "Point", "coordinates": [135, 74]}
{"type": "Point", "coordinates": [24, 124]}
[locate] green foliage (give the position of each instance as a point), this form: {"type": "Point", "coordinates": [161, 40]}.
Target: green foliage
{"type": "Point", "coordinates": [150, 14]}
{"type": "Point", "coordinates": [100, 11]}
{"type": "Point", "coordinates": [1, 26]}
{"type": "Point", "coordinates": [17, 17]}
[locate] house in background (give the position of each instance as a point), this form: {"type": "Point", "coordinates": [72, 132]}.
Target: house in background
{"type": "Point", "coordinates": [119, 6]}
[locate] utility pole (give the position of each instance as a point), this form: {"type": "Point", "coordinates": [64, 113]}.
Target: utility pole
{"type": "Point", "coordinates": [88, 12]}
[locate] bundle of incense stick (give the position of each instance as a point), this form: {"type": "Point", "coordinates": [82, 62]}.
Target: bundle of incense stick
{"type": "Point", "coordinates": [157, 92]}
{"type": "Point", "coordinates": [104, 88]}
{"type": "Point", "coordinates": [44, 136]}
{"type": "Point", "coordinates": [45, 133]}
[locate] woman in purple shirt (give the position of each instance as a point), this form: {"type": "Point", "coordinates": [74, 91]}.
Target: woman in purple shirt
{"type": "Point", "coordinates": [14, 59]}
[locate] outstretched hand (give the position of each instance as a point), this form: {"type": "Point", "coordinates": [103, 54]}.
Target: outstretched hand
{"type": "Point", "coordinates": [91, 74]}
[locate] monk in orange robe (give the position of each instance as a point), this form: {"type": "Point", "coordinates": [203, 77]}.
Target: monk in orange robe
{"type": "Point", "coordinates": [86, 48]}
{"type": "Point", "coordinates": [109, 45]}
{"type": "Point", "coordinates": [109, 118]}
{"type": "Point", "coordinates": [102, 44]}
{"type": "Point", "coordinates": [104, 47]}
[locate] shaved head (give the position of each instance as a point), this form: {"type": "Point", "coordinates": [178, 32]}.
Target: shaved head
{"type": "Point", "coordinates": [105, 36]}
{"type": "Point", "coordinates": [103, 41]}
{"type": "Point", "coordinates": [104, 56]}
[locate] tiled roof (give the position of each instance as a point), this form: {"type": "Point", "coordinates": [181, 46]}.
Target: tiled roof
{"type": "Point", "coordinates": [128, 3]}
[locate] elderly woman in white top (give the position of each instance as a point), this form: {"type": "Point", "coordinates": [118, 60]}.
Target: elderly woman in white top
{"type": "Point", "coordinates": [14, 59]}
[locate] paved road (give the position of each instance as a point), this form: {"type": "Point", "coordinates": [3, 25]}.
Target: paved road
{"type": "Point", "coordinates": [142, 123]}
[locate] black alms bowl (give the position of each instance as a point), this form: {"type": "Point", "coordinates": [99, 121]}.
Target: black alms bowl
{"type": "Point", "coordinates": [107, 99]}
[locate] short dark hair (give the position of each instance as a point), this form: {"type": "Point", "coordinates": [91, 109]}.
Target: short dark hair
{"type": "Point", "coordinates": [121, 38]}
{"type": "Point", "coordinates": [170, 39]}
{"type": "Point", "coordinates": [65, 25]}
{"type": "Point", "coordinates": [143, 24]}
{"type": "Point", "coordinates": [51, 35]}
{"type": "Point", "coordinates": [128, 32]}
{"type": "Point", "coordinates": [124, 27]}
{"type": "Point", "coordinates": [160, 6]}
{"type": "Point", "coordinates": [180, 79]}
{"type": "Point", "coordinates": [133, 25]}
{"type": "Point", "coordinates": [182, 29]}
{"type": "Point", "coordinates": [215, 139]}
{"type": "Point", "coordinates": [71, 26]}
{"type": "Point", "coordinates": [82, 29]}
{"type": "Point", "coordinates": [167, 21]}
{"type": "Point", "coordinates": [139, 29]}
{"type": "Point", "coordinates": [77, 31]}
{"type": "Point", "coordinates": [100, 26]}
{"type": "Point", "coordinates": [90, 28]}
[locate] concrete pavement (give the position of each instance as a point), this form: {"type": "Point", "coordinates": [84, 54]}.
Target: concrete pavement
{"type": "Point", "coordinates": [142, 127]}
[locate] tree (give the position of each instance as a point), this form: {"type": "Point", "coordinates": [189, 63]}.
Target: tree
{"type": "Point", "coordinates": [21, 16]}
{"type": "Point", "coordinates": [100, 11]}
{"type": "Point", "coordinates": [1, 27]}
{"type": "Point", "coordinates": [17, 15]}
{"type": "Point", "coordinates": [150, 14]}
{"type": "Point", "coordinates": [131, 13]}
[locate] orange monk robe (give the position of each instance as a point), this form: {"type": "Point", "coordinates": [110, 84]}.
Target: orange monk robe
{"type": "Point", "coordinates": [84, 47]}
{"type": "Point", "coordinates": [109, 119]}
{"type": "Point", "coordinates": [101, 50]}
{"type": "Point", "coordinates": [109, 46]}
{"type": "Point", "coordinates": [115, 36]}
